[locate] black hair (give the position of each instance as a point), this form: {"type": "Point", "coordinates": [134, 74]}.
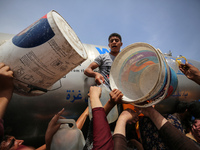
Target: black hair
{"type": "Point", "coordinates": [194, 109]}
{"type": "Point", "coordinates": [181, 106]}
{"type": "Point", "coordinates": [191, 113]}
{"type": "Point", "coordinates": [5, 138]}
{"type": "Point", "coordinates": [115, 34]}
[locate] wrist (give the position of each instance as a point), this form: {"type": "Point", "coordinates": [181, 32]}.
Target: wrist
{"type": "Point", "coordinates": [94, 97]}
{"type": "Point", "coordinates": [123, 118]}
{"type": "Point", "coordinates": [196, 77]}
{"type": "Point", "coordinates": [122, 121]}
{"type": "Point", "coordinates": [156, 118]}
{"type": "Point", "coordinates": [48, 143]}
{"type": "Point", "coordinates": [86, 113]}
{"type": "Point", "coordinates": [96, 74]}
{"type": "Point", "coordinates": [5, 98]}
{"type": "Point", "coordinates": [150, 112]}
{"type": "Point", "coordinates": [112, 103]}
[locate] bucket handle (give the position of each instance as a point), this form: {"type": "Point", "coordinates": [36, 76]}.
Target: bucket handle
{"type": "Point", "coordinates": [67, 121]}
{"type": "Point", "coordinates": [102, 84]}
{"type": "Point", "coordinates": [179, 61]}
{"type": "Point", "coordinates": [158, 50]}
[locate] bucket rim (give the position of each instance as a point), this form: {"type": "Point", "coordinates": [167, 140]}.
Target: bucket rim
{"type": "Point", "coordinates": [155, 89]}
{"type": "Point", "coordinates": [165, 93]}
{"type": "Point", "coordinates": [137, 44]}
{"type": "Point", "coordinates": [85, 56]}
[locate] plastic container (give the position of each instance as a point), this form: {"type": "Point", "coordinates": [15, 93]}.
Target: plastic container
{"type": "Point", "coordinates": [113, 114]}
{"type": "Point", "coordinates": [142, 74]}
{"type": "Point", "coordinates": [70, 138]}
{"type": "Point", "coordinates": [181, 60]}
{"type": "Point", "coordinates": [42, 53]}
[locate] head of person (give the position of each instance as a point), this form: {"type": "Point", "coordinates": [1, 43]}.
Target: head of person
{"type": "Point", "coordinates": [193, 108]}
{"type": "Point", "coordinates": [11, 143]}
{"type": "Point", "coordinates": [195, 129]}
{"type": "Point", "coordinates": [115, 43]}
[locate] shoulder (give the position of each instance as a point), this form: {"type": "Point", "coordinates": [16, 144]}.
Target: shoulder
{"type": "Point", "coordinates": [101, 57]}
{"type": "Point", "coordinates": [107, 56]}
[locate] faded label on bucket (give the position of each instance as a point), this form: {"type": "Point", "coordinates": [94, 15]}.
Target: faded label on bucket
{"type": "Point", "coordinates": [34, 35]}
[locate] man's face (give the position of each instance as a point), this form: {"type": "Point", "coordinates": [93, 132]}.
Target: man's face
{"type": "Point", "coordinates": [115, 44]}
{"type": "Point", "coordinates": [12, 144]}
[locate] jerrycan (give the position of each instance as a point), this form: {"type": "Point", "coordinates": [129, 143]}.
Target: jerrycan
{"type": "Point", "coordinates": [68, 136]}
{"type": "Point", "coordinates": [113, 114]}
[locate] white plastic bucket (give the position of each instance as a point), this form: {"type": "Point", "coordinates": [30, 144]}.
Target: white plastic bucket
{"type": "Point", "coordinates": [42, 54]}
{"type": "Point", "coordinates": [140, 71]}
{"type": "Point", "coordinates": [68, 137]}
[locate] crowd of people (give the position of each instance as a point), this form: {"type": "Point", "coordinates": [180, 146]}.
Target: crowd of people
{"type": "Point", "coordinates": [155, 130]}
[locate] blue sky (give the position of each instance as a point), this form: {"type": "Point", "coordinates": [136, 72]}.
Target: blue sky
{"type": "Point", "coordinates": [165, 24]}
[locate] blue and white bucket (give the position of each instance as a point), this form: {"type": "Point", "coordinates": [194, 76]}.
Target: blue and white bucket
{"type": "Point", "coordinates": [142, 74]}
{"type": "Point", "coordinates": [42, 53]}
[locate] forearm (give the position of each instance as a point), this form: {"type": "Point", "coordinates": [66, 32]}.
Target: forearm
{"type": "Point", "coordinates": [48, 143]}
{"type": "Point", "coordinates": [95, 102]}
{"type": "Point", "coordinates": [81, 120]}
{"type": "Point", "coordinates": [196, 78]}
{"type": "Point", "coordinates": [102, 137]}
{"type": "Point", "coordinates": [108, 106]}
{"type": "Point", "coordinates": [4, 101]}
{"type": "Point", "coordinates": [90, 73]}
{"type": "Point", "coordinates": [156, 118]}
{"type": "Point", "coordinates": [175, 139]}
{"type": "Point", "coordinates": [120, 127]}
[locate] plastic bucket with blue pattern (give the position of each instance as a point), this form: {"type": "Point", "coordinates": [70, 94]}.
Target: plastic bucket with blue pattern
{"type": "Point", "coordinates": [142, 74]}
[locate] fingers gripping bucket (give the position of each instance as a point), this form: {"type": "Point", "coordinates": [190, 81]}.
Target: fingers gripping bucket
{"type": "Point", "coordinates": [142, 74]}
{"type": "Point", "coordinates": [113, 114]}
{"type": "Point", "coordinates": [42, 54]}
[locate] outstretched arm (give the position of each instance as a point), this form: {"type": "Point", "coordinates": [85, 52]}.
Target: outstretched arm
{"type": "Point", "coordinates": [126, 116]}
{"type": "Point", "coordinates": [89, 71]}
{"type": "Point", "coordinates": [52, 129]}
{"type": "Point", "coordinates": [172, 137]}
{"type": "Point", "coordinates": [119, 136]}
{"type": "Point", "coordinates": [95, 94]}
{"type": "Point", "coordinates": [155, 116]}
{"type": "Point", "coordinates": [81, 120]}
{"type": "Point", "coordinates": [191, 72]}
{"type": "Point", "coordinates": [115, 98]}
{"type": "Point", "coordinates": [6, 87]}
{"type": "Point", "coordinates": [102, 138]}
{"type": "Point", "coordinates": [54, 126]}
